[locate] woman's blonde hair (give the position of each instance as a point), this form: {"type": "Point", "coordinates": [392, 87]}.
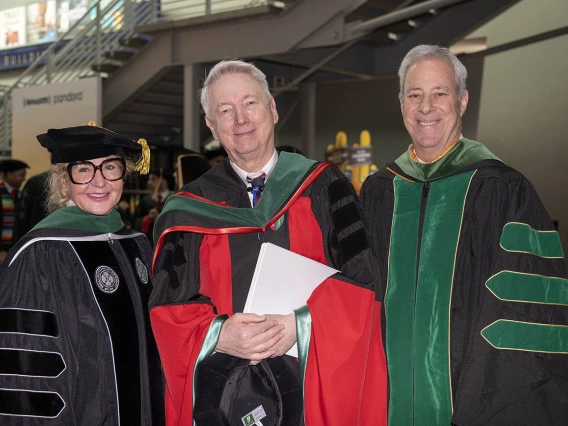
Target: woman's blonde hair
{"type": "Point", "coordinates": [57, 192]}
{"type": "Point", "coordinates": [58, 196]}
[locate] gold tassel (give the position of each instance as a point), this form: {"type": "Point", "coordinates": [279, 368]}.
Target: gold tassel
{"type": "Point", "coordinates": [143, 163]}
{"type": "Point", "coordinates": [92, 123]}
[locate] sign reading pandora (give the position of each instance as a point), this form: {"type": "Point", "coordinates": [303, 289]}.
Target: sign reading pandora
{"type": "Point", "coordinates": [38, 108]}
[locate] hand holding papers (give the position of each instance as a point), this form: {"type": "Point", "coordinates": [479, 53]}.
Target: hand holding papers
{"type": "Point", "coordinates": [283, 281]}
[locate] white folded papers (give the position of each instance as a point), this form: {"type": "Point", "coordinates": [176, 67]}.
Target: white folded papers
{"type": "Point", "coordinates": [283, 281]}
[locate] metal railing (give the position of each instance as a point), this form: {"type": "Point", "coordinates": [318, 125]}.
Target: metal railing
{"type": "Point", "coordinates": [87, 45]}
{"type": "Point", "coordinates": [75, 53]}
{"type": "Point", "coordinates": [181, 9]}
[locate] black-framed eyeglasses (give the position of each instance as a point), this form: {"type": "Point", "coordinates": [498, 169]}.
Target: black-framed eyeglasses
{"type": "Point", "coordinates": [83, 172]}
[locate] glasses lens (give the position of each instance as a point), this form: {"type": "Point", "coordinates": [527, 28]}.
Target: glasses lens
{"type": "Point", "coordinates": [112, 169]}
{"type": "Point", "coordinates": [82, 172]}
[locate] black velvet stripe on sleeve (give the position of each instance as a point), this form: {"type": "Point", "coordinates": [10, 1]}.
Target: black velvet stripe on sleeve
{"type": "Point", "coordinates": [28, 322]}
{"type": "Point", "coordinates": [30, 363]}
{"type": "Point", "coordinates": [339, 189]}
{"type": "Point", "coordinates": [345, 216]}
{"type": "Point", "coordinates": [347, 220]}
{"type": "Point", "coordinates": [27, 403]}
{"type": "Point", "coordinates": [353, 244]}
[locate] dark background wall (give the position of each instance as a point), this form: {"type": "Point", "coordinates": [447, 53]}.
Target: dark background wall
{"type": "Point", "coordinates": [373, 105]}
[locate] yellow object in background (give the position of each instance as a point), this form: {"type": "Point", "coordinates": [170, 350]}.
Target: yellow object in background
{"type": "Point", "coordinates": [365, 140]}
{"type": "Point", "coordinates": [356, 174]}
{"type": "Point", "coordinates": [348, 172]}
{"type": "Point", "coordinates": [341, 147]}
{"type": "Point", "coordinates": [356, 161]}
{"type": "Point", "coordinates": [329, 153]}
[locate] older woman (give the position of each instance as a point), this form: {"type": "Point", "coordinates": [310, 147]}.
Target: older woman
{"type": "Point", "coordinates": [76, 346]}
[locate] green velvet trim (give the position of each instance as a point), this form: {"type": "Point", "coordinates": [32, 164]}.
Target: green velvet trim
{"type": "Point", "coordinates": [399, 300]}
{"type": "Point", "coordinates": [208, 347]}
{"type": "Point", "coordinates": [464, 153]}
{"type": "Point", "coordinates": [440, 237]}
{"type": "Point", "coordinates": [519, 287]}
{"type": "Point", "coordinates": [418, 312]}
{"type": "Point", "coordinates": [521, 238]}
{"type": "Point", "coordinates": [289, 172]}
{"type": "Point", "coordinates": [303, 334]}
{"type": "Point", "coordinates": [76, 219]}
{"type": "Point", "coordinates": [527, 336]}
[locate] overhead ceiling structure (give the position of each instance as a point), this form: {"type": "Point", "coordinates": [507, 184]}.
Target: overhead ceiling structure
{"type": "Point", "coordinates": [382, 31]}
{"type": "Point", "coordinates": [310, 40]}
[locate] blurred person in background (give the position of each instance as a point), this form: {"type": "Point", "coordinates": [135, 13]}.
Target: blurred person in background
{"type": "Point", "coordinates": [190, 167]}
{"type": "Point", "coordinates": [32, 205]}
{"type": "Point", "coordinates": [215, 154]}
{"type": "Point", "coordinates": [289, 148]}
{"type": "Point", "coordinates": [160, 183]}
{"type": "Point", "coordinates": [12, 176]}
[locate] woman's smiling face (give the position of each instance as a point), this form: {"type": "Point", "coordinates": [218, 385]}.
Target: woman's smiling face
{"type": "Point", "coordinates": [98, 196]}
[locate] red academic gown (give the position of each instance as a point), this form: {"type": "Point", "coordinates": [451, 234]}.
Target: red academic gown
{"type": "Point", "coordinates": [205, 258]}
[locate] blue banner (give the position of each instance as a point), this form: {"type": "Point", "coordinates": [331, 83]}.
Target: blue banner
{"type": "Point", "coordinates": [21, 57]}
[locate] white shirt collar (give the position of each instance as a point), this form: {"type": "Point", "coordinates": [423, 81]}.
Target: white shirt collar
{"type": "Point", "coordinates": [267, 168]}
{"type": "Point", "coordinates": [8, 187]}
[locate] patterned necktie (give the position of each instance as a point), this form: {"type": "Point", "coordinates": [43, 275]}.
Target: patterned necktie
{"type": "Point", "coordinates": [257, 185]}
{"type": "Point", "coordinates": [15, 194]}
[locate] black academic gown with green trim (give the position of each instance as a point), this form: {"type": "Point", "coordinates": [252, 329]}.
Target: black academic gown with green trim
{"type": "Point", "coordinates": [474, 293]}
{"type": "Point", "coordinates": [75, 341]}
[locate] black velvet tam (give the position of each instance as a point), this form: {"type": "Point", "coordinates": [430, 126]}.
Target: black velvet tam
{"type": "Point", "coordinates": [12, 165]}
{"type": "Point", "coordinates": [229, 389]}
{"type": "Point", "coordinates": [86, 143]}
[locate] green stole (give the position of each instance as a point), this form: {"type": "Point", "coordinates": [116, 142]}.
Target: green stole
{"type": "Point", "coordinates": [74, 218]}
{"type": "Point", "coordinates": [464, 153]}
{"type": "Point", "coordinates": [290, 171]}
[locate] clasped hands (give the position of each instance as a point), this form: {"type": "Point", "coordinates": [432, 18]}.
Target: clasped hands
{"type": "Point", "coordinates": [257, 337]}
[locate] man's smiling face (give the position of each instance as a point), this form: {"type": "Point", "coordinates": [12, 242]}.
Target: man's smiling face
{"type": "Point", "coordinates": [430, 107]}
{"type": "Point", "coordinates": [242, 118]}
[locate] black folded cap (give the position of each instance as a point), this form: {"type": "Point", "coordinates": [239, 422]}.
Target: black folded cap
{"type": "Point", "coordinates": [231, 392]}
{"type": "Point", "coordinates": [191, 167]}
{"type": "Point", "coordinates": [161, 172]}
{"type": "Point", "coordinates": [12, 165]}
{"type": "Point", "coordinates": [86, 143]}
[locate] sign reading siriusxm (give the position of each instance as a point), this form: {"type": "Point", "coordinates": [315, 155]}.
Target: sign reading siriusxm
{"type": "Point", "coordinates": [53, 99]}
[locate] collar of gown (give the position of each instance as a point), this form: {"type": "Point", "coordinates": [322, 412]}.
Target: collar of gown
{"type": "Point", "coordinates": [73, 217]}
{"type": "Point", "coordinates": [463, 153]}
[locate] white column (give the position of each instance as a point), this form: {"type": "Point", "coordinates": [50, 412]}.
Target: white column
{"type": "Point", "coordinates": [191, 107]}
{"type": "Point", "coordinates": [308, 119]}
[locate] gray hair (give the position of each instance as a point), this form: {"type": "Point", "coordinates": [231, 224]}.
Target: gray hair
{"type": "Point", "coordinates": [234, 66]}
{"type": "Point", "coordinates": [427, 51]}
